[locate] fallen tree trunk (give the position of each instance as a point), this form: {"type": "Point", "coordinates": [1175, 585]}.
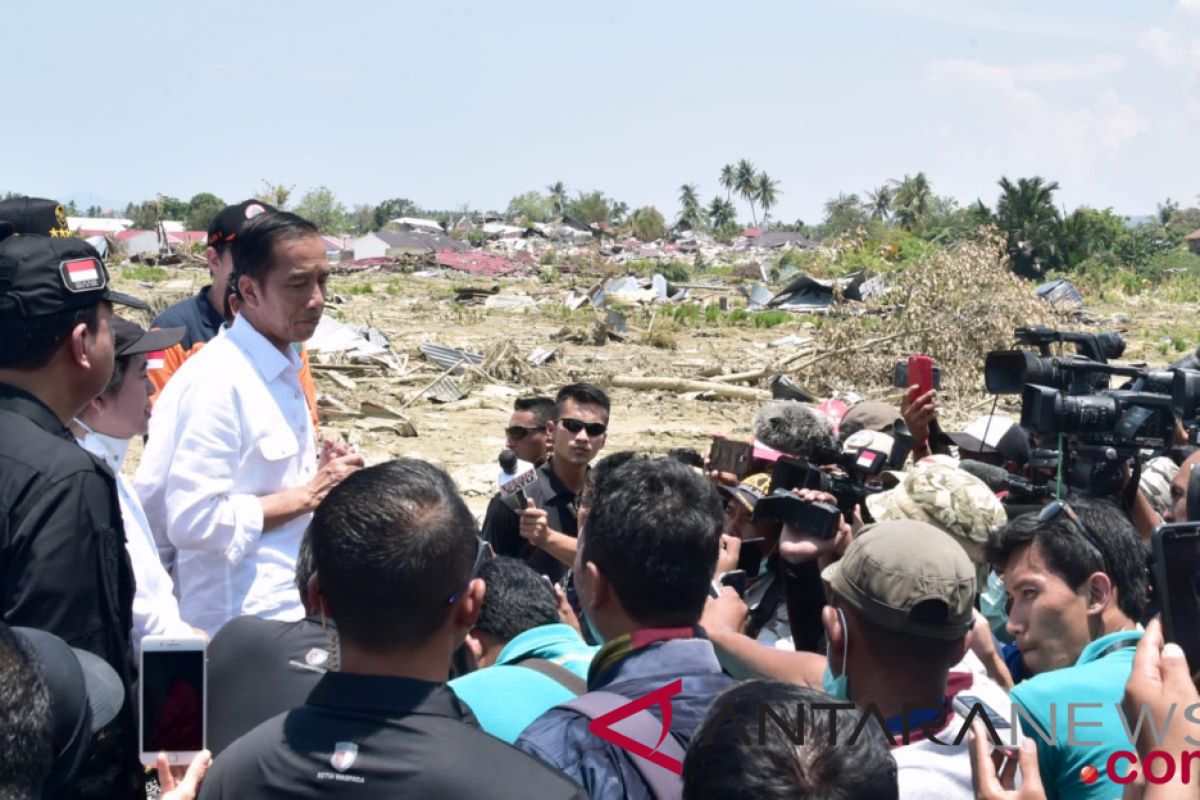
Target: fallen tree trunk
{"type": "Point", "coordinates": [682, 386]}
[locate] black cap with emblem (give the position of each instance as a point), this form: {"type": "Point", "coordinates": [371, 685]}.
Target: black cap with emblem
{"type": "Point", "coordinates": [41, 275]}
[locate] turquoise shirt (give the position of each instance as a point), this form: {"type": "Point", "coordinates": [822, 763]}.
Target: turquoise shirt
{"type": "Point", "coordinates": [1098, 677]}
{"type": "Point", "coordinates": [505, 697]}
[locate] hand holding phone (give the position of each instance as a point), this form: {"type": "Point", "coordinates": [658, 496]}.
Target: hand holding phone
{"type": "Point", "coordinates": [730, 456]}
{"type": "Point", "coordinates": [920, 373]}
{"type": "Point", "coordinates": [173, 686]}
{"type": "Point", "coordinates": [1177, 578]}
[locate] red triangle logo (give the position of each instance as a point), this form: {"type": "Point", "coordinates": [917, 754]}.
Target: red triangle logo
{"type": "Point", "coordinates": [602, 726]}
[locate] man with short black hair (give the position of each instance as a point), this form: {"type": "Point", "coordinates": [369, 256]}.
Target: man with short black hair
{"type": "Point", "coordinates": [543, 533]}
{"type": "Point", "coordinates": [232, 473]}
{"type": "Point", "coordinates": [643, 571]}
{"type": "Point", "coordinates": [27, 746]}
{"type": "Point", "coordinates": [734, 755]}
{"type": "Point", "coordinates": [397, 559]}
{"type": "Point", "coordinates": [529, 429]}
{"type": "Point", "coordinates": [1076, 581]}
{"type": "Point", "coordinates": [63, 565]}
{"type": "Point", "coordinates": [530, 661]}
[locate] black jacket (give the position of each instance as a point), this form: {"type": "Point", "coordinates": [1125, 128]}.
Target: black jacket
{"type": "Point", "coordinates": [502, 526]}
{"type": "Point", "coordinates": [372, 736]}
{"type": "Point", "coordinates": [64, 567]}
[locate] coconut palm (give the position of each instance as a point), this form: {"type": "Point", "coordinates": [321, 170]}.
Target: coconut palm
{"type": "Point", "coordinates": [558, 196]}
{"type": "Point", "coordinates": [746, 183]}
{"type": "Point", "coordinates": [879, 203]}
{"type": "Point", "coordinates": [1032, 224]}
{"type": "Point", "coordinates": [689, 200]}
{"type": "Point", "coordinates": [911, 202]}
{"type": "Point", "coordinates": [767, 191]}
{"type": "Point", "coordinates": [721, 213]}
{"type": "Point", "coordinates": [728, 180]}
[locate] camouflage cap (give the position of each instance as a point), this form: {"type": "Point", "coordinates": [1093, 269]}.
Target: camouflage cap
{"type": "Point", "coordinates": [752, 489]}
{"type": "Point", "coordinates": [1155, 483]}
{"type": "Point", "coordinates": [945, 496]}
{"type": "Point", "coordinates": [892, 569]}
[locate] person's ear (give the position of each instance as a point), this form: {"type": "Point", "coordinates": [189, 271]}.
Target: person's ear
{"type": "Point", "coordinates": [835, 634]}
{"type": "Point", "coordinates": [247, 291]}
{"type": "Point", "coordinates": [474, 645]}
{"type": "Point", "coordinates": [80, 342]}
{"type": "Point", "coordinates": [601, 590]}
{"type": "Point", "coordinates": [1100, 592]}
{"type": "Point", "coordinates": [469, 606]}
{"type": "Point", "coordinates": [313, 599]}
{"type": "Point", "coordinates": [213, 258]}
{"type": "Point", "coordinates": [549, 427]}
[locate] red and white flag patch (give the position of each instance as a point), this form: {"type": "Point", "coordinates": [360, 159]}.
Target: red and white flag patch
{"type": "Point", "coordinates": [83, 275]}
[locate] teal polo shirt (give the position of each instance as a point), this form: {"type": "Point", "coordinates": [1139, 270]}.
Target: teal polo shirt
{"type": "Point", "coordinates": [506, 697]}
{"type": "Point", "coordinates": [1098, 677]}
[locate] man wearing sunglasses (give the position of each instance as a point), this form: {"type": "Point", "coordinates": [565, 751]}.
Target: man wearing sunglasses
{"type": "Point", "coordinates": [529, 430]}
{"type": "Point", "coordinates": [542, 533]}
{"type": "Point", "coordinates": [1076, 583]}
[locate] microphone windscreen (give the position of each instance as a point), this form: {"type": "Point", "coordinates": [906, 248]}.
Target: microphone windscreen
{"type": "Point", "coordinates": [793, 427]}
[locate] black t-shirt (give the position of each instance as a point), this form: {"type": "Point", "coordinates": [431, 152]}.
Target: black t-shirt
{"type": "Point", "coordinates": [259, 668]}
{"type": "Point", "coordinates": [502, 526]}
{"type": "Point", "coordinates": [370, 736]}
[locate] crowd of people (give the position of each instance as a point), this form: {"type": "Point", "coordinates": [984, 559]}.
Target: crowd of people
{"type": "Point", "coordinates": [617, 625]}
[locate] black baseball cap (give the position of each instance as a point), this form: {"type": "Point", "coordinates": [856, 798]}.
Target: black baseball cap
{"type": "Point", "coordinates": [131, 339]}
{"type": "Point", "coordinates": [85, 695]}
{"type": "Point", "coordinates": [226, 225]}
{"type": "Point", "coordinates": [35, 215]}
{"type": "Point", "coordinates": [41, 275]}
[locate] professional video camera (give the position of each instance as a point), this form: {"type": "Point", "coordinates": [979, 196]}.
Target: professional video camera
{"type": "Point", "coordinates": [793, 473]}
{"type": "Point", "coordinates": [1007, 371]}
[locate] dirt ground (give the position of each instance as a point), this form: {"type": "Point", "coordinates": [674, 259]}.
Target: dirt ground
{"type": "Point", "coordinates": [466, 436]}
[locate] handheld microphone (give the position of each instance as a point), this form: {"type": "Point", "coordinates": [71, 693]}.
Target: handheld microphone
{"type": "Point", "coordinates": [513, 480]}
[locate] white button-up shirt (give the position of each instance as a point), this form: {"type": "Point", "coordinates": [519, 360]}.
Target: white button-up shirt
{"type": "Point", "coordinates": [237, 428]}
{"type": "Point", "coordinates": [155, 610]}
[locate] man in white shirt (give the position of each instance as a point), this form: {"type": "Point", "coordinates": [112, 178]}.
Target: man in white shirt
{"type": "Point", "coordinates": [234, 469]}
{"type": "Point", "coordinates": [104, 429]}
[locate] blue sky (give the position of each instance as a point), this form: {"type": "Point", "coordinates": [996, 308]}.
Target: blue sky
{"type": "Point", "coordinates": [473, 102]}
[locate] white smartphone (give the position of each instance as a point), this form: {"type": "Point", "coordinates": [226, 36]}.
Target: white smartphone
{"type": "Point", "coordinates": [173, 688]}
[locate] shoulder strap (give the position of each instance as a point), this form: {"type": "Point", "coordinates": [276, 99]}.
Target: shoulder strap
{"type": "Point", "coordinates": [644, 727]}
{"type": "Point", "coordinates": [567, 679]}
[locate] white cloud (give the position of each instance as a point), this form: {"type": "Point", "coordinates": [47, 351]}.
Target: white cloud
{"type": "Point", "coordinates": [1188, 6]}
{"type": "Point", "coordinates": [1064, 71]}
{"type": "Point", "coordinates": [1035, 129]}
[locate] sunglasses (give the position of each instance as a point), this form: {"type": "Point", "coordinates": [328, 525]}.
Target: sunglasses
{"type": "Point", "coordinates": [593, 429]}
{"type": "Point", "coordinates": [481, 555]}
{"type": "Point", "coordinates": [519, 432]}
{"type": "Point", "coordinates": [1063, 508]}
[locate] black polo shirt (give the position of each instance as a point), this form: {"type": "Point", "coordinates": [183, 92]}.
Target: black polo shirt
{"type": "Point", "coordinates": [502, 526]}
{"type": "Point", "coordinates": [288, 659]}
{"type": "Point", "coordinates": [369, 736]}
{"type": "Point", "coordinates": [203, 322]}
{"type": "Point", "coordinates": [63, 564]}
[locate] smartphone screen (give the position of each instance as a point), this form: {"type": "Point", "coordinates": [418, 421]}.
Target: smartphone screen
{"type": "Point", "coordinates": [1177, 568]}
{"type": "Point", "coordinates": [730, 455]}
{"type": "Point", "coordinates": [173, 701]}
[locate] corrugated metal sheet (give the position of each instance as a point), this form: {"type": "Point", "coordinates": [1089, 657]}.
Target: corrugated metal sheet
{"type": "Point", "coordinates": [448, 357]}
{"type": "Point", "coordinates": [445, 391]}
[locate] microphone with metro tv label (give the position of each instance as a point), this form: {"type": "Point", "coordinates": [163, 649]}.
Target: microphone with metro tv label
{"type": "Point", "coordinates": [514, 480]}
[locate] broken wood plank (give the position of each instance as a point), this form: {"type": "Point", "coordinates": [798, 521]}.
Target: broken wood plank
{"type": "Point", "coordinates": [341, 380]}
{"type": "Point", "coordinates": [681, 385]}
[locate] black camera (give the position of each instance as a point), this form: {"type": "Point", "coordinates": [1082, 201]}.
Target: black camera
{"type": "Point", "coordinates": [1095, 346]}
{"type": "Point", "coordinates": [791, 473]}
{"type": "Point", "coordinates": [818, 519]}
{"type": "Point", "coordinates": [1007, 371]}
{"type": "Point", "coordinates": [1118, 418]}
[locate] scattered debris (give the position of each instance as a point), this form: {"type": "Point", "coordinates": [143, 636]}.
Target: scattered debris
{"type": "Point", "coordinates": [450, 358]}
{"type": "Point", "coordinates": [1061, 295]}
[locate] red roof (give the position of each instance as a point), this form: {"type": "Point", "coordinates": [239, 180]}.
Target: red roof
{"type": "Point", "coordinates": [1194, 235]}
{"type": "Point", "coordinates": [129, 234]}
{"type": "Point", "coordinates": [476, 263]}
{"type": "Point", "coordinates": [751, 233]}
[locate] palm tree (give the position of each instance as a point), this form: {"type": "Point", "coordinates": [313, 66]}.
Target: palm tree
{"type": "Point", "coordinates": [689, 200]}
{"type": "Point", "coordinates": [558, 196]}
{"type": "Point", "coordinates": [745, 182]}
{"type": "Point", "coordinates": [879, 203]}
{"type": "Point", "coordinates": [1032, 224]}
{"type": "Point", "coordinates": [910, 204]}
{"type": "Point", "coordinates": [619, 209]}
{"type": "Point", "coordinates": [721, 213]}
{"type": "Point", "coordinates": [728, 180]}
{"type": "Point", "coordinates": [767, 191]}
